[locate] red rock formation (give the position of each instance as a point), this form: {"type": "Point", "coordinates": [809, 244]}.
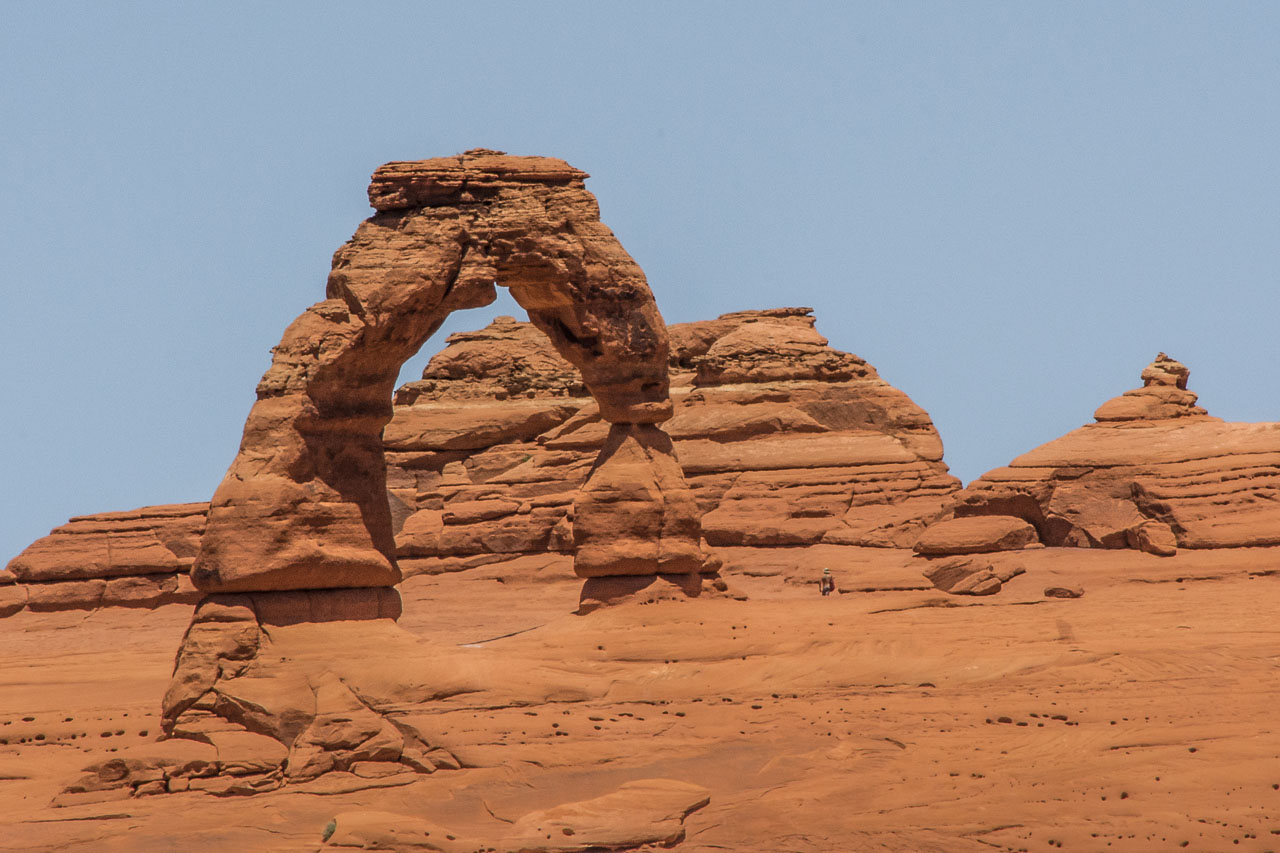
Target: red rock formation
{"type": "Point", "coordinates": [1155, 473]}
{"type": "Point", "coordinates": [981, 534]}
{"type": "Point", "coordinates": [828, 452]}
{"type": "Point", "coordinates": [782, 439]}
{"type": "Point", "coordinates": [488, 451]}
{"type": "Point", "coordinates": [138, 558]}
{"type": "Point", "coordinates": [300, 532]}
{"type": "Point", "coordinates": [304, 504]}
{"type": "Point", "coordinates": [1163, 395]}
{"type": "Point", "coordinates": [971, 575]}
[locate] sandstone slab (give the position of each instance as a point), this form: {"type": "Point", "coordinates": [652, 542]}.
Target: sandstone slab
{"type": "Point", "coordinates": [377, 830]}
{"type": "Point", "coordinates": [647, 811]}
{"type": "Point", "coordinates": [149, 540]}
{"type": "Point", "coordinates": [975, 535]}
{"type": "Point", "coordinates": [1155, 473]}
{"type": "Point", "coordinates": [971, 575]}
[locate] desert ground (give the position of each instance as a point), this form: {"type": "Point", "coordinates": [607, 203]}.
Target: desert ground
{"type": "Point", "coordinates": [888, 716]}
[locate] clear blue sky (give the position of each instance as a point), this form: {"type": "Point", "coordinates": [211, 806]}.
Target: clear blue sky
{"type": "Point", "coordinates": [1008, 208]}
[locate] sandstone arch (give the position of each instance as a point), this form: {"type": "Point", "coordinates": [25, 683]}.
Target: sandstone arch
{"type": "Point", "coordinates": [297, 560]}
{"type": "Point", "coordinates": [303, 505]}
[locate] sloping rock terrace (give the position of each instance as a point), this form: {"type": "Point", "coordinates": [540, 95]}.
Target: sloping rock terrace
{"type": "Point", "coordinates": [1156, 472]}
{"type": "Point", "coordinates": [138, 558]}
{"type": "Point", "coordinates": [784, 441]}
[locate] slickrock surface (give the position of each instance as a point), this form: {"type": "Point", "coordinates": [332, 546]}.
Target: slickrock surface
{"type": "Point", "coordinates": [1154, 473]}
{"type": "Point", "coordinates": [644, 811]}
{"type": "Point", "coordinates": [890, 716]}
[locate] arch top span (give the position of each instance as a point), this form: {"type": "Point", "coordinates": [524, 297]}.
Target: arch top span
{"type": "Point", "coordinates": [530, 224]}
{"type": "Point", "coordinates": [304, 504]}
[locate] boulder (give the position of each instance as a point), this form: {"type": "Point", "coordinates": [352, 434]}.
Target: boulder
{"type": "Point", "coordinates": [975, 535]}
{"type": "Point", "coordinates": [971, 575]}
{"type": "Point", "coordinates": [647, 811]}
{"type": "Point", "coordinates": [1154, 537]}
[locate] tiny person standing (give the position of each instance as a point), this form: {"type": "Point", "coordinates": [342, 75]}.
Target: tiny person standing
{"type": "Point", "coordinates": [827, 583]}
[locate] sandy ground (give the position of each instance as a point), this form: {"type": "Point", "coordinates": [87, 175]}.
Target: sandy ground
{"type": "Point", "coordinates": [1141, 716]}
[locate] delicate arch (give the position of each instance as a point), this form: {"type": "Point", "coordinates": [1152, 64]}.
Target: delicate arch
{"type": "Point", "coordinates": [304, 504]}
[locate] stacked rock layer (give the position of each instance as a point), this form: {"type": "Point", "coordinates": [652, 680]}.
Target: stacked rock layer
{"type": "Point", "coordinates": [138, 558]}
{"type": "Point", "coordinates": [1155, 472]}
{"type": "Point", "coordinates": [782, 439]}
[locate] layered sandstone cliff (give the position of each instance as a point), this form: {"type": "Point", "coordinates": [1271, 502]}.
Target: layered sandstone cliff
{"type": "Point", "coordinates": [783, 439]}
{"type": "Point", "coordinates": [136, 558]}
{"type": "Point", "coordinates": [1155, 472]}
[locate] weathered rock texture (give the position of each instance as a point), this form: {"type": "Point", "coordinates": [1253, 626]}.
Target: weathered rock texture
{"type": "Point", "coordinates": [975, 535]}
{"type": "Point", "coordinates": [304, 504]}
{"type": "Point", "coordinates": [273, 665]}
{"type": "Point", "coordinates": [646, 811]}
{"type": "Point", "coordinates": [298, 554]}
{"type": "Point", "coordinates": [971, 575]}
{"type": "Point", "coordinates": [880, 695]}
{"type": "Point", "coordinates": [1155, 472]}
{"type": "Point", "coordinates": [138, 558]}
{"type": "Point", "coordinates": [638, 814]}
{"type": "Point", "coordinates": [783, 440]}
